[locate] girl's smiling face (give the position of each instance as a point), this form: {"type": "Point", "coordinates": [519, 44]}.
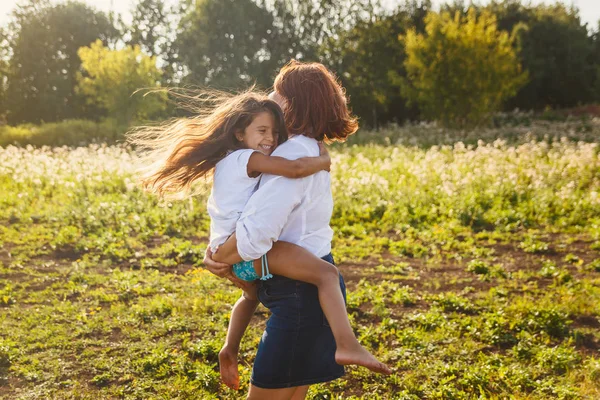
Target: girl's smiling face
{"type": "Point", "coordinates": [260, 134]}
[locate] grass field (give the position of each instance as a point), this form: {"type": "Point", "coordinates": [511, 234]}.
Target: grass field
{"type": "Point", "coordinates": [474, 271]}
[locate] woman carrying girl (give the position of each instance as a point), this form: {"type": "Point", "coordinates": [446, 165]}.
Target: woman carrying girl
{"type": "Point", "coordinates": [235, 140]}
{"type": "Point", "coordinates": [298, 347]}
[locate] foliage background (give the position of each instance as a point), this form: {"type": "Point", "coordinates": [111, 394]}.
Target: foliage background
{"type": "Point", "coordinates": [472, 256]}
{"type": "Point", "coordinates": [231, 45]}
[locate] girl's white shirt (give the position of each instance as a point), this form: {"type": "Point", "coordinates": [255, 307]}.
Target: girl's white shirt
{"type": "Point", "coordinates": [293, 210]}
{"type": "Point", "coordinates": [232, 187]}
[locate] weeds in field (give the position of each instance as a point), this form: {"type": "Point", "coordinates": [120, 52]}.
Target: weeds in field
{"type": "Point", "coordinates": [472, 270]}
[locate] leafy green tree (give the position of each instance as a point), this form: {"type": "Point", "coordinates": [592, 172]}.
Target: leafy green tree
{"type": "Point", "coordinates": [371, 58]}
{"type": "Point", "coordinates": [148, 26]}
{"type": "Point", "coordinates": [596, 61]}
{"type": "Point", "coordinates": [4, 58]}
{"type": "Point", "coordinates": [111, 79]}
{"type": "Point", "coordinates": [232, 43]}
{"type": "Point", "coordinates": [223, 43]}
{"type": "Point", "coordinates": [461, 69]}
{"type": "Point", "coordinates": [43, 40]}
{"type": "Point", "coordinates": [556, 50]}
{"type": "Point", "coordinates": [302, 27]}
{"type": "Point", "coordinates": [152, 28]}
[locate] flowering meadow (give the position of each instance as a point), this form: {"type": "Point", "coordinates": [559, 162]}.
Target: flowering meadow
{"type": "Point", "coordinates": [473, 271]}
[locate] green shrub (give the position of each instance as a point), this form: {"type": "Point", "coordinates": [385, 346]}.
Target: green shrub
{"type": "Point", "coordinates": [594, 265]}
{"type": "Point", "coordinates": [531, 245]}
{"type": "Point", "coordinates": [558, 359]}
{"type": "Point", "coordinates": [405, 296]}
{"type": "Point", "coordinates": [479, 267]}
{"type": "Point", "coordinates": [549, 269]}
{"type": "Point", "coordinates": [428, 321]}
{"type": "Point", "coordinates": [74, 132]}
{"type": "Point", "coordinates": [553, 322]}
{"type": "Point", "coordinates": [5, 357]}
{"type": "Point", "coordinates": [462, 69]}
{"type": "Point", "coordinates": [207, 350]}
{"type": "Point", "coordinates": [6, 296]}
{"type": "Point", "coordinates": [450, 302]}
{"type": "Point", "coordinates": [573, 259]}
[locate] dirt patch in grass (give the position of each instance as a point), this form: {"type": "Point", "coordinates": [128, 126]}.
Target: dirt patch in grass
{"type": "Point", "coordinates": [5, 253]}
{"type": "Point", "coordinates": [590, 321]}
{"type": "Point", "coordinates": [424, 276]}
{"type": "Point", "coordinates": [9, 387]}
{"type": "Point", "coordinates": [420, 276]}
{"type": "Point", "coordinates": [16, 277]}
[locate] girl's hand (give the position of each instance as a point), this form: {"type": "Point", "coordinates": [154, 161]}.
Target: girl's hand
{"type": "Point", "coordinates": [219, 269]}
{"type": "Point", "coordinates": [324, 153]}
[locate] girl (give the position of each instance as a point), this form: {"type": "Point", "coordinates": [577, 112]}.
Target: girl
{"type": "Point", "coordinates": [235, 140]}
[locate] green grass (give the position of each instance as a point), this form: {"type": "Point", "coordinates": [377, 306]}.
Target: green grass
{"type": "Point", "coordinates": [65, 133]}
{"type": "Point", "coordinates": [473, 272]}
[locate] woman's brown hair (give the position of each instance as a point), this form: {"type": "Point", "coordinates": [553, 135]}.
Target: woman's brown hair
{"type": "Point", "coordinates": [181, 150]}
{"type": "Point", "coordinates": [316, 104]}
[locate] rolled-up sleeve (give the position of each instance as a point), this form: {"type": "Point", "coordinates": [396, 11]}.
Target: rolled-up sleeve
{"type": "Point", "coordinates": [266, 214]}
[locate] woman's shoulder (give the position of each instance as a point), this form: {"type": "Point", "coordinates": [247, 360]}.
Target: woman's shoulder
{"type": "Point", "coordinates": [298, 146]}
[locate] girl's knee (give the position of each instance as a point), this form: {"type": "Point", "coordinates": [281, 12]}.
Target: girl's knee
{"type": "Point", "coordinates": [250, 295]}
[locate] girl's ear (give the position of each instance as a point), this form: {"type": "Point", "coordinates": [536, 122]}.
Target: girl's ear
{"type": "Point", "coordinates": [239, 135]}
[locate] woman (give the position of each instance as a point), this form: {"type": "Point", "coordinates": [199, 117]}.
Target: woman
{"type": "Point", "coordinates": [297, 348]}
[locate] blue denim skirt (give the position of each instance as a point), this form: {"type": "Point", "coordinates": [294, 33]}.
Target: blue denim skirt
{"type": "Point", "coordinates": [297, 347]}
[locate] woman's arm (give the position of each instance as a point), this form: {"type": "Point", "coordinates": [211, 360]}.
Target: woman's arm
{"type": "Point", "coordinates": [261, 222]}
{"type": "Point", "coordinates": [305, 166]}
{"type": "Point", "coordinates": [223, 270]}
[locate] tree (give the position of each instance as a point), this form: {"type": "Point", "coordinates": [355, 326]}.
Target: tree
{"type": "Point", "coordinates": [233, 43]}
{"type": "Point", "coordinates": [302, 27]}
{"type": "Point", "coordinates": [369, 55]}
{"type": "Point", "coordinates": [112, 78]}
{"type": "Point", "coordinates": [4, 58]}
{"type": "Point", "coordinates": [371, 58]}
{"type": "Point", "coordinates": [556, 50]}
{"type": "Point", "coordinates": [148, 26]}
{"type": "Point", "coordinates": [43, 40]}
{"type": "Point", "coordinates": [596, 63]}
{"type": "Point", "coordinates": [223, 43]}
{"type": "Point", "coordinates": [462, 69]}
{"type": "Point", "coordinates": [152, 29]}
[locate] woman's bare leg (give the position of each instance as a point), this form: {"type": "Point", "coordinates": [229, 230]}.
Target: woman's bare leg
{"type": "Point", "coordinates": [241, 314]}
{"type": "Point", "coordinates": [256, 393]}
{"type": "Point", "coordinates": [300, 393]}
{"type": "Point", "coordinates": [294, 262]}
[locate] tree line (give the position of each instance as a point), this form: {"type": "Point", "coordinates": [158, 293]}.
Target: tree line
{"type": "Point", "coordinates": [71, 61]}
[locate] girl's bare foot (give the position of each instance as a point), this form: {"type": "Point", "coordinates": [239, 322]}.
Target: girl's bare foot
{"type": "Point", "coordinates": [228, 367]}
{"type": "Point", "coordinates": [358, 355]}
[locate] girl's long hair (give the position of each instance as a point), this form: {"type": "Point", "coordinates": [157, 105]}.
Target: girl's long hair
{"type": "Point", "coordinates": [181, 150]}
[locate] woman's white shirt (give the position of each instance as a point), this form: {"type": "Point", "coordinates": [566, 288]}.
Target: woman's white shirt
{"type": "Point", "coordinates": [232, 187]}
{"type": "Point", "coordinates": [293, 210]}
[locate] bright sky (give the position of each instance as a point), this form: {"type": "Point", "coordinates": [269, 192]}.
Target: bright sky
{"type": "Point", "coordinates": [589, 9]}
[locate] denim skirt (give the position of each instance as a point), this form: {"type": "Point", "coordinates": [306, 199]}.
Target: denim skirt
{"type": "Point", "coordinates": [297, 347]}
